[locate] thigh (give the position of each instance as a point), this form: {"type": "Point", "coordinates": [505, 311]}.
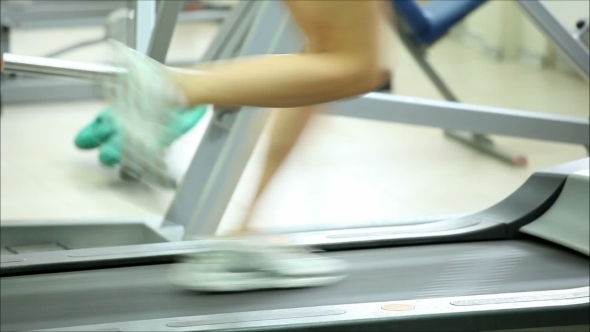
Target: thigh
{"type": "Point", "coordinates": [339, 26]}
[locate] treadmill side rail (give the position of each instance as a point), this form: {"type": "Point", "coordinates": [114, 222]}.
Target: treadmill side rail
{"type": "Point", "coordinates": [166, 252]}
{"type": "Point", "coordinates": [569, 167]}
{"type": "Point", "coordinates": [501, 221]}
{"type": "Point", "coordinates": [567, 221]}
{"type": "Point", "coordinates": [526, 204]}
{"type": "Point", "coordinates": [467, 313]}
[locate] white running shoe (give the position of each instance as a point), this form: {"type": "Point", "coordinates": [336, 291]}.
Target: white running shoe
{"type": "Point", "coordinates": [245, 265]}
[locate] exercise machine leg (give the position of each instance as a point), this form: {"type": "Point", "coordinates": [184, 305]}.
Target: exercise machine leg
{"type": "Point", "coordinates": [477, 141]}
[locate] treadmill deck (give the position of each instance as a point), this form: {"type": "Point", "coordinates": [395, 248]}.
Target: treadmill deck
{"type": "Point", "coordinates": [390, 274]}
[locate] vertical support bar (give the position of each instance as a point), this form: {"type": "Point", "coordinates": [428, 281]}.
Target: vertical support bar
{"type": "Point", "coordinates": [271, 25]}
{"type": "Point", "coordinates": [474, 140]}
{"type": "Point", "coordinates": [241, 32]}
{"type": "Point", "coordinates": [4, 42]}
{"type": "Point", "coordinates": [212, 195]}
{"type": "Point", "coordinates": [583, 35]}
{"type": "Point", "coordinates": [208, 151]}
{"type": "Point", "coordinates": [167, 17]}
{"type": "Point", "coordinates": [419, 56]}
{"type": "Point", "coordinates": [548, 23]}
{"type": "Point", "coordinates": [130, 35]}
{"type": "Point", "coordinates": [145, 20]}
{"type": "Point", "coordinates": [231, 30]}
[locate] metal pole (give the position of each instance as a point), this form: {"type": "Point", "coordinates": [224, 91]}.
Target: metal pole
{"type": "Point", "coordinates": [145, 20]}
{"type": "Point", "coordinates": [46, 66]}
{"type": "Point", "coordinates": [457, 116]}
{"type": "Point", "coordinates": [167, 18]}
{"type": "Point", "coordinates": [267, 37]}
{"type": "Point", "coordinates": [182, 207]}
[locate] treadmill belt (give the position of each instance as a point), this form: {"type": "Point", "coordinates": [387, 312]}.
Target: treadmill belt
{"type": "Point", "coordinates": [137, 293]}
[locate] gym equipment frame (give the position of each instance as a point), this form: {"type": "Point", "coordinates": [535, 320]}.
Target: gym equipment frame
{"type": "Point", "coordinates": [231, 136]}
{"type": "Point", "coordinates": [475, 273]}
{"type": "Point", "coordinates": [19, 88]}
{"type": "Point", "coordinates": [57, 236]}
{"type": "Point", "coordinates": [543, 18]}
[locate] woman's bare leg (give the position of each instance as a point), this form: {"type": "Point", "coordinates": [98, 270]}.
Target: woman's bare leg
{"type": "Point", "coordinates": [345, 37]}
{"type": "Point", "coordinates": [290, 123]}
{"type": "Point", "coordinates": [343, 62]}
{"type": "Point", "coordinates": [287, 128]}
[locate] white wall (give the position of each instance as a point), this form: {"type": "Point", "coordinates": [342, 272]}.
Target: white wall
{"type": "Point", "coordinates": [502, 30]}
{"type": "Point", "coordinates": [569, 11]}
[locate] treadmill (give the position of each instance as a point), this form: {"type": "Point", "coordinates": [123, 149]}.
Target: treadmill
{"type": "Point", "coordinates": [520, 264]}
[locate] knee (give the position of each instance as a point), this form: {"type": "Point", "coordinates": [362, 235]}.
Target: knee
{"type": "Point", "coordinates": [361, 78]}
{"type": "Point", "coordinates": [371, 78]}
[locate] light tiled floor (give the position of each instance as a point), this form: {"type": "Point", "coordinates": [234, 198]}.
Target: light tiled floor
{"type": "Point", "coordinates": [345, 171]}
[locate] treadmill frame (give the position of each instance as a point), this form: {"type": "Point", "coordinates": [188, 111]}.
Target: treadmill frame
{"type": "Point", "coordinates": [570, 44]}
{"type": "Point", "coordinates": [473, 140]}
{"type": "Point", "coordinates": [231, 135]}
{"type": "Point", "coordinates": [26, 89]}
{"type": "Point", "coordinates": [501, 221]}
{"type": "Point", "coordinates": [216, 188]}
{"type": "Point", "coordinates": [509, 310]}
{"type": "Point", "coordinates": [227, 43]}
{"type": "Point", "coordinates": [239, 133]}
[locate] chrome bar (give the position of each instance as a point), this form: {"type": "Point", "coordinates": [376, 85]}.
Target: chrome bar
{"type": "Point", "coordinates": [25, 64]}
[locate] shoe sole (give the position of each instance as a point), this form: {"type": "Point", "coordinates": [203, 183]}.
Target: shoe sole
{"type": "Point", "coordinates": [188, 278]}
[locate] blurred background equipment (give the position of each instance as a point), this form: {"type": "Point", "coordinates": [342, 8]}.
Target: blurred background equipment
{"type": "Point", "coordinates": [117, 18]}
{"type": "Point", "coordinates": [421, 26]}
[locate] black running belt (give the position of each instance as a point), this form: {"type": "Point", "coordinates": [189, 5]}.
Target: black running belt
{"type": "Point", "coordinates": [136, 293]}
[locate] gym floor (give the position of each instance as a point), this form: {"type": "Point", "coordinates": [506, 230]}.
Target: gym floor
{"type": "Point", "coordinates": [345, 171]}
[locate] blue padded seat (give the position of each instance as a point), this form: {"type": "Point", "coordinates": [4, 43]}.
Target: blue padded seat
{"type": "Point", "coordinates": [430, 22]}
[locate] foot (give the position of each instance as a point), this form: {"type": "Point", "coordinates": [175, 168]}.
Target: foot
{"type": "Point", "coordinates": [245, 265]}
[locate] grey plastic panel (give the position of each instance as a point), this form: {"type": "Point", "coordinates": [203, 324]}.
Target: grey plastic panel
{"type": "Point", "coordinates": [567, 222]}
{"type": "Point", "coordinates": [79, 236]}
{"type": "Point", "coordinates": [525, 205]}
{"type": "Point", "coordinates": [533, 198]}
{"type": "Point", "coordinates": [4, 251]}
{"type": "Point", "coordinates": [41, 247]}
{"type": "Point", "coordinates": [571, 167]}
